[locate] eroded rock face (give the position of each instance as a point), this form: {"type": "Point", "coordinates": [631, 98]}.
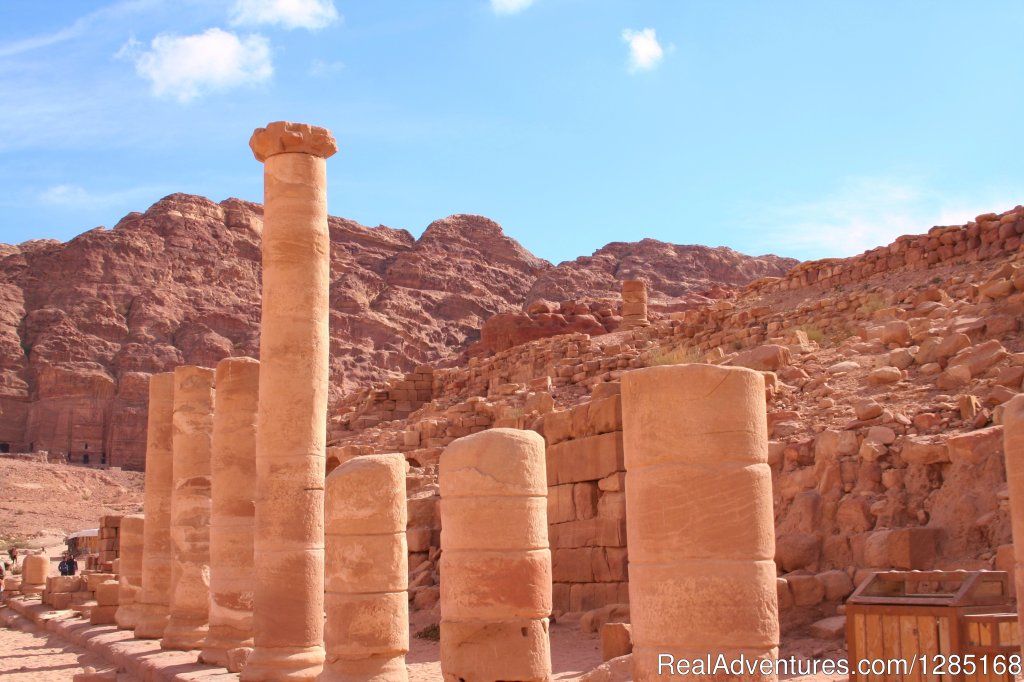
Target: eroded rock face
{"type": "Point", "coordinates": [672, 271]}
{"type": "Point", "coordinates": [83, 324]}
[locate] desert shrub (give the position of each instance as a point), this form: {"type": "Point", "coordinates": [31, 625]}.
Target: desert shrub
{"type": "Point", "coordinates": [431, 632]}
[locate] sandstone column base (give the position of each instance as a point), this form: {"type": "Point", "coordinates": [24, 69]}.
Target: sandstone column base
{"type": "Point", "coordinates": [127, 615]}
{"type": "Point", "coordinates": [376, 669]}
{"type": "Point", "coordinates": [184, 634]}
{"type": "Point", "coordinates": [487, 651]}
{"type": "Point", "coordinates": [220, 640]}
{"type": "Point", "coordinates": [285, 663]}
{"type": "Point", "coordinates": [151, 621]}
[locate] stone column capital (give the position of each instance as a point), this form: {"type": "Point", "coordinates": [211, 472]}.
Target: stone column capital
{"type": "Point", "coordinates": [282, 137]}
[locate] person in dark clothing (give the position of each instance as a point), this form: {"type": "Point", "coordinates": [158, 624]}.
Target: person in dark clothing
{"type": "Point", "coordinates": [63, 565]}
{"type": "Point", "coordinates": [72, 565]}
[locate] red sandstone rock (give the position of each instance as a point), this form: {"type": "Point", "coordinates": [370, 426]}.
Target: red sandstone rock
{"type": "Point", "coordinates": [83, 323]}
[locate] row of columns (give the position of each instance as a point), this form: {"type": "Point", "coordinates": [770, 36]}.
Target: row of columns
{"type": "Point", "coordinates": [234, 539]}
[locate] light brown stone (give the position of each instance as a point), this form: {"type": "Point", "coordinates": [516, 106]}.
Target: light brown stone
{"type": "Point", "coordinates": [190, 509]}
{"type": "Point", "coordinates": [156, 540]}
{"type": "Point", "coordinates": [288, 603]}
{"type": "Point", "coordinates": [496, 593]}
{"type": "Point", "coordinates": [130, 538]}
{"type": "Point", "coordinates": [367, 631]}
{"type": "Point", "coordinates": [34, 571]}
{"type": "Point", "coordinates": [634, 304]}
{"type": "Point", "coordinates": [702, 575]}
{"type": "Point", "coordinates": [233, 492]}
{"type": "Point", "coordinates": [616, 640]}
{"type": "Point", "coordinates": [1013, 449]}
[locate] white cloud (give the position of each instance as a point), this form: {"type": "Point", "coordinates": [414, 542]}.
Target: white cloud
{"type": "Point", "coordinates": [76, 196]}
{"type": "Point", "coordinates": [66, 195]}
{"type": "Point", "coordinates": [864, 213]}
{"type": "Point", "coordinates": [645, 51]}
{"type": "Point", "coordinates": [184, 67]}
{"type": "Point", "coordinates": [309, 14]}
{"type": "Point", "coordinates": [509, 6]}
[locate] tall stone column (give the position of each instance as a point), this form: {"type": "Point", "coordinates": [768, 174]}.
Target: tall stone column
{"type": "Point", "coordinates": [634, 304]}
{"type": "Point", "coordinates": [288, 607]}
{"type": "Point", "coordinates": [233, 489]}
{"type": "Point", "coordinates": [495, 560]}
{"type": "Point", "coordinates": [367, 576]}
{"type": "Point", "coordinates": [130, 539]}
{"type": "Point", "coordinates": [699, 518]}
{"type": "Point", "coordinates": [190, 509]}
{"type": "Point", "coordinates": [156, 533]}
{"type": "Point", "coordinates": [1013, 451]}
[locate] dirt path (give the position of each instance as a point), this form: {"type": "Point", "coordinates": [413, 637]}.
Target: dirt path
{"type": "Point", "coordinates": [32, 655]}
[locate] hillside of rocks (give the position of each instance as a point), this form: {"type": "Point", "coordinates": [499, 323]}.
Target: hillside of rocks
{"type": "Point", "coordinates": [886, 375]}
{"type": "Point", "coordinates": [42, 503]}
{"type": "Point", "coordinates": [84, 323]}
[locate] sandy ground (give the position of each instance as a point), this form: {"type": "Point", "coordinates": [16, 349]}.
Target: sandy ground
{"type": "Point", "coordinates": [32, 655]}
{"type": "Point", "coordinates": [37, 656]}
{"type": "Point", "coordinates": [29, 654]}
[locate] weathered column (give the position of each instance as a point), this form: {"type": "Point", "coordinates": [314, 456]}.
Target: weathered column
{"type": "Point", "coordinates": [1013, 451]}
{"type": "Point", "coordinates": [156, 533]}
{"type": "Point", "coordinates": [130, 539]}
{"type": "Point", "coordinates": [190, 509]}
{"type": "Point", "coordinates": [699, 518]}
{"type": "Point", "coordinates": [288, 606]}
{"type": "Point", "coordinates": [634, 304]}
{"type": "Point", "coordinates": [495, 561]}
{"type": "Point", "coordinates": [233, 490]}
{"type": "Point", "coordinates": [367, 633]}
{"type": "Point", "coordinates": [35, 569]}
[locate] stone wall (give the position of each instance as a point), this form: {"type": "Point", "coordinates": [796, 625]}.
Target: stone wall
{"type": "Point", "coordinates": [988, 236]}
{"type": "Point", "coordinates": [586, 503]}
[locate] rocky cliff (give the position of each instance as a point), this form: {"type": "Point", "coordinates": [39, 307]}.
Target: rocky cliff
{"type": "Point", "coordinates": [84, 323]}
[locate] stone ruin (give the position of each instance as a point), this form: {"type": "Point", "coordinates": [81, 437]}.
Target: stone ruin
{"type": "Point", "coordinates": [240, 513]}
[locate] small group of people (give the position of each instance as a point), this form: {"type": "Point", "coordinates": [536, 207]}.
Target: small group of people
{"type": "Point", "coordinates": [68, 565]}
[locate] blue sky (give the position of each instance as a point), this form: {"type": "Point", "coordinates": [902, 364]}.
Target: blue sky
{"type": "Point", "coordinates": [805, 128]}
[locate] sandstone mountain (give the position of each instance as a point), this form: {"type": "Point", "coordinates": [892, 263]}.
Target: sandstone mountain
{"type": "Point", "coordinates": [84, 323]}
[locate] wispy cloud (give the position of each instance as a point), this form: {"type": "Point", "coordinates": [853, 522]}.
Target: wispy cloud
{"type": "Point", "coordinates": [78, 28]}
{"type": "Point", "coordinates": [645, 52]}
{"type": "Point", "coordinates": [319, 67]}
{"type": "Point", "coordinates": [510, 6]}
{"type": "Point", "coordinates": [308, 14]}
{"type": "Point", "coordinates": [76, 196]}
{"type": "Point", "coordinates": [36, 42]}
{"type": "Point", "coordinates": [866, 212]}
{"type": "Point", "coordinates": [185, 67]}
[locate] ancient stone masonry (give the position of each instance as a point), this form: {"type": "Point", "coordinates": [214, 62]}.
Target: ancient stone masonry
{"type": "Point", "coordinates": [156, 534]}
{"type": "Point", "coordinates": [129, 569]}
{"type": "Point", "coordinates": [496, 590]}
{"type": "Point", "coordinates": [1013, 437]}
{"type": "Point", "coordinates": [233, 490]}
{"type": "Point", "coordinates": [634, 304]}
{"type": "Point", "coordinates": [110, 542]}
{"type": "Point", "coordinates": [288, 609]}
{"type": "Point", "coordinates": [189, 605]}
{"type": "Point", "coordinates": [367, 633]}
{"type": "Point", "coordinates": [396, 401]}
{"type": "Point", "coordinates": [699, 516]}
{"type": "Point", "coordinates": [987, 236]}
{"type": "Point", "coordinates": [586, 503]}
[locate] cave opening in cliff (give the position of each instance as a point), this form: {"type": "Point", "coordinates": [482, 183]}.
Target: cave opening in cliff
{"type": "Point", "coordinates": [5, 447]}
